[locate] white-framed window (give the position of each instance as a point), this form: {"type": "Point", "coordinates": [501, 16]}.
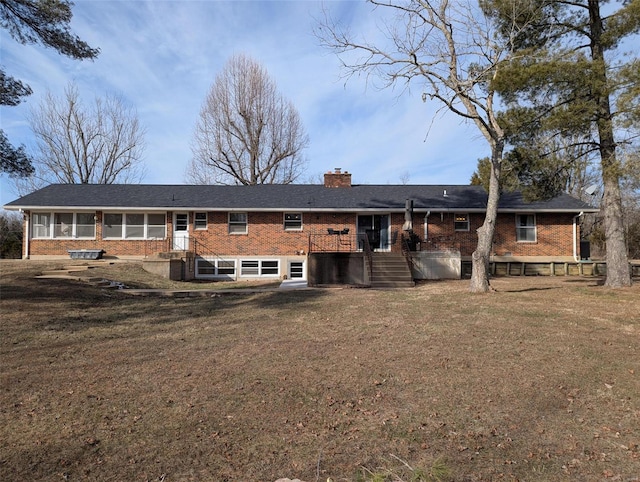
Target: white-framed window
{"type": "Point", "coordinates": [112, 225]}
{"type": "Point", "coordinates": [63, 225]}
{"type": "Point", "coordinates": [461, 222]}
{"type": "Point", "coordinates": [85, 225]}
{"type": "Point", "coordinates": [41, 223]}
{"type": "Point", "coordinates": [215, 268]}
{"type": "Point", "coordinates": [134, 225]}
{"type": "Point", "coordinates": [237, 223]}
{"type": "Point", "coordinates": [200, 221]}
{"type": "Point", "coordinates": [296, 269]}
{"type": "Point", "coordinates": [259, 267]}
{"type": "Point", "coordinates": [293, 221]}
{"type": "Point", "coordinates": [526, 228]}
{"type": "Point", "coordinates": [156, 225]}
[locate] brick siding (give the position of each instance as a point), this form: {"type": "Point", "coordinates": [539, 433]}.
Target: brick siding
{"type": "Point", "coordinates": [266, 235]}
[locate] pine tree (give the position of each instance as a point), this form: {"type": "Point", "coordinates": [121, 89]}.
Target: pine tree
{"type": "Point", "coordinates": [565, 95]}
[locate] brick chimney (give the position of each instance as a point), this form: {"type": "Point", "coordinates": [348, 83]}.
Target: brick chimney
{"type": "Point", "coordinates": [337, 178]}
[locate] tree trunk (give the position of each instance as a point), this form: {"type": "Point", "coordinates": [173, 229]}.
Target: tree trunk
{"type": "Point", "coordinates": [481, 256]}
{"type": "Point", "coordinates": [618, 271]}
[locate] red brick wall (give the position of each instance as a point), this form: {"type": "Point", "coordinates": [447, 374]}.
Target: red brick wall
{"type": "Point", "coordinates": [554, 234]}
{"type": "Point", "coordinates": [266, 235]}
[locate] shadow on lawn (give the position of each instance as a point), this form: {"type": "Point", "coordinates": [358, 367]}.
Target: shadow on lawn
{"type": "Point", "coordinates": [91, 307]}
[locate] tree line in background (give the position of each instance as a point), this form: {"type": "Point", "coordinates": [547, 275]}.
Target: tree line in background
{"type": "Point", "coordinates": [538, 80]}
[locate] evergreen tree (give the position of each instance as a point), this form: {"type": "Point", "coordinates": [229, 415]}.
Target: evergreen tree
{"type": "Point", "coordinates": [28, 21]}
{"type": "Point", "coordinates": [570, 101]}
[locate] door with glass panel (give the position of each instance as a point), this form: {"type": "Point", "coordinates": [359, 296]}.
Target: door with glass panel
{"type": "Point", "coordinates": [375, 228]}
{"type": "Point", "coordinates": [181, 231]}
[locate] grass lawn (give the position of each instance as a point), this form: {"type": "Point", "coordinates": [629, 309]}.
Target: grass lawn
{"type": "Point", "coordinates": [538, 381]}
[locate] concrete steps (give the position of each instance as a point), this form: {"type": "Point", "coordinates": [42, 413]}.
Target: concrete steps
{"type": "Point", "coordinates": [390, 270]}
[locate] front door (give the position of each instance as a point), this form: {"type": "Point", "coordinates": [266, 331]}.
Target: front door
{"type": "Point", "coordinates": [181, 231]}
{"type": "Point", "coordinates": [375, 228]}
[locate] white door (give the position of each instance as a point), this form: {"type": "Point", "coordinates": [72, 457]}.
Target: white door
{"type": "Point", "coordinates": [181, 231]}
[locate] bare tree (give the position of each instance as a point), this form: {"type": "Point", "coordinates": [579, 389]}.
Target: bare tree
{"type": "Point", "coordinates": [247, 133]}
{"type": "Point", "coordinates": [451, 49]}
{"type": "Point", "coordinates": [98, 144]}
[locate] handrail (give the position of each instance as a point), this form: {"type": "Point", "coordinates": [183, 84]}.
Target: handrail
{"type": "Point", "coordinates": [406, 249]}
{"type": "Point", "coordinates": [199, 248]}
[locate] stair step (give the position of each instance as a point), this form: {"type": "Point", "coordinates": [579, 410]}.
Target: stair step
{"type": "Point", "coordinates": [390, 270]}
{"type": "Point", "coordinates": [393, 284]}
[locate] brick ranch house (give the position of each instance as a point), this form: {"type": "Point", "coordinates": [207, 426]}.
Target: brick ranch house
{"type": "Point", "coordinates": [324, 233]}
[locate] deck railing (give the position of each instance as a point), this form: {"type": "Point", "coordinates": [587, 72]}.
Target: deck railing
{"type": "Point", "coordinates": [337, 242]}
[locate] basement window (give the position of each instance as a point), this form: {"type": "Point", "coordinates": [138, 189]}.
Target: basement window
{"type": "Point", "coordinates": [216, 268]}
{"type": "Point", "coordinates": [259, 267]}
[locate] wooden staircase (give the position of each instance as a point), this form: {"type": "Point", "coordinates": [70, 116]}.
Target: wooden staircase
{"type": "Point", "coordinates": [390, 270]}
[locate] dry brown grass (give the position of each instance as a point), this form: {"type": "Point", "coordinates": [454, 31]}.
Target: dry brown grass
{"type": "Point", "coordinates": [539, 381]}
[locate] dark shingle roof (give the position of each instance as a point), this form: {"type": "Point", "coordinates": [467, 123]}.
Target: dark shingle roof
{"type": "Point", "coordinates": [277, 197]}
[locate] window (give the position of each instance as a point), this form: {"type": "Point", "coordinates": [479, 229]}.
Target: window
{"type": "Point", "coordinates": [63, 225]}
{"type": "Point", "coordinates": [215, 268]}
{"type": "Point", "coordinates": [269, 268]}
{"type": "Point", "coordinates": [293, 221]}
{"type": "Point", "coordinates": [255, 267]}
{"type": "Point", "coordinates": [205, 267]}
{"type": "Point", "coordinates": [85, 225]}
{"type": "Point", "coordinates": [461, 222]}
{"type": "Point", "coordinates": [250, 268]}
{"type": "Point", "coordinates": [41, 225]}
{"type": "Point", "coordinates": [526, 228]}
{"type": "Point", "coordinates": [156, 225]}
{"type": "Point", "coordinates": [296, 269]}
{"type": "Point", "coordinates": [134, 226]}
{"type": "Point", "coordinates": [112, 226]}
{"type": "Point", "coordinates": [226, 267]}
{"type": "Point", "coordinates": [200, 221]}
{"type": "Point", "coordinates": [237, 223]}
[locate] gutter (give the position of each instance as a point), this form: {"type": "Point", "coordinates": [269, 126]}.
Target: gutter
{"type": "Point", "coordinates": [575, 236]}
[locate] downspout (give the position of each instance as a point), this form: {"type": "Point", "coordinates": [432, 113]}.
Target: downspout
{"type": "Point", "coordinates": [575, 237]}
{"type": "Point", "coordinates": [426, 225]}
{"type": "Point", "coordinates": [27, 233]}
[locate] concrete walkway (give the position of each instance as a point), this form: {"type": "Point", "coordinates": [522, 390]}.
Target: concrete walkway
{"type": "Point", "coordinates": [293, 284]}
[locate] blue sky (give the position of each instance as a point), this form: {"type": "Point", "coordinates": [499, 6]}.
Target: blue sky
{"type": "Point", "coordinates": [163, 56]}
